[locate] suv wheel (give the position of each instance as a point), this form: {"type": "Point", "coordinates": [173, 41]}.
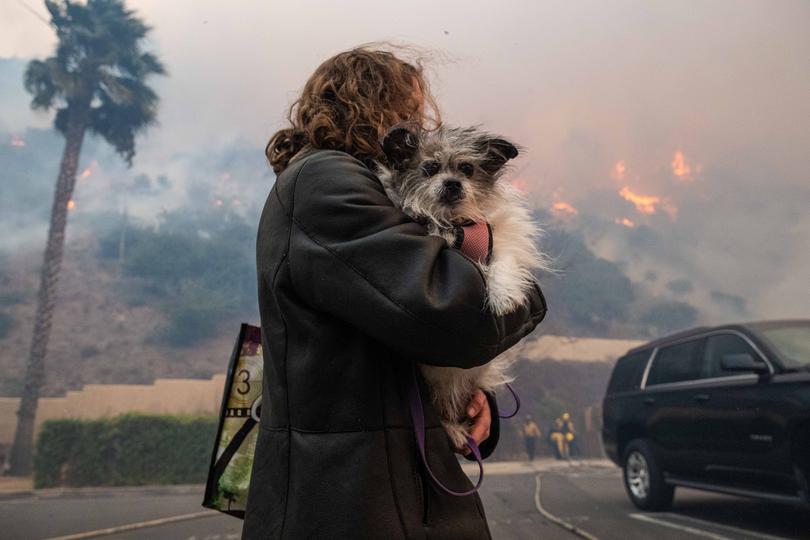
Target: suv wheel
{"type": "Point", "coordinates": [644, 479]}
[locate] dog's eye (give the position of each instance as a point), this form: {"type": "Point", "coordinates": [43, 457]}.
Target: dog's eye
{"type": "Point", "coordinates": [430, 168]}
{"type": "Point", "coordinates": [466, 169]}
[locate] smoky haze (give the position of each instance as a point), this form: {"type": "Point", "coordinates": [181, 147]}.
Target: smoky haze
{"type": "Point", "coordinates": [675, 136]}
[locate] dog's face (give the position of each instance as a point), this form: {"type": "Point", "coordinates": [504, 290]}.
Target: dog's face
{"type": "Point", "coordinates": [447, 175]}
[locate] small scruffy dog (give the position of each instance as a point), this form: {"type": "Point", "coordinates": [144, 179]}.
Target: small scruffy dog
{"type": "Point", "coordinates": [446, 179]}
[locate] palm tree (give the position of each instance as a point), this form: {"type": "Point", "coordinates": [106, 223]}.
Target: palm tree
{"type": "Point", "coordinates": [96, 82]}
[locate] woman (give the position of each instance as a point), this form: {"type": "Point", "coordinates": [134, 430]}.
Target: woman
{"type": "Point", "coordinates": [352, 292]}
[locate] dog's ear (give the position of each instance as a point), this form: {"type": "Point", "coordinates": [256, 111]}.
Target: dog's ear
{"type": "Point", "coordinates": [400, 144]}
{"type": "Point", "coordinates": [497, 152]}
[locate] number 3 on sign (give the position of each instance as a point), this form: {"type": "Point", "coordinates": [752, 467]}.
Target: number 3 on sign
{"type": "Point", "coordinates": [246, 382]}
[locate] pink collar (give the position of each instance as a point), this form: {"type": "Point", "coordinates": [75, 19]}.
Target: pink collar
{"type": "Point", "coordinates": [475, 241]}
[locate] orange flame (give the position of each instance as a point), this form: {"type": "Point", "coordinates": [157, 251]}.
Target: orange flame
{"type": "Point", "coordinates": [644, 203]}
{"type": "Point", "coordinates": [626, 222]}
{"type": "Point", "coordinates": [88, 170]}
{"type": "Point", "coordinates": [71, 205]}
{"type": "Point", "coordinates": [521, 185]}
{"type": "Point", "coordinates": [564, 208]}
{"type": "Point", "coordinates": [618, 171]}
{"type": "Point", "coordinates": [680, 168]}
{"type": "Point", "coordinates": [648, 204]}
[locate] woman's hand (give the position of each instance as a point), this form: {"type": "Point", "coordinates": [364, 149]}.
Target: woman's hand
{"type": "Point", "coordinates": [478, 412]}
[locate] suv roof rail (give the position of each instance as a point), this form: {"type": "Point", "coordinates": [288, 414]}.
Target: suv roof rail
{"type": "Point", "coordinates": [670, 337]}
{"type": "Point", "coordinates": [756, 325]}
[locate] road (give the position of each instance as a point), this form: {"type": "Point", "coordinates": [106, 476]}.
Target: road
{"type": "Point", "coordinates": [592, 499]}
{"type": "Point", "coordinates": [541, 501]}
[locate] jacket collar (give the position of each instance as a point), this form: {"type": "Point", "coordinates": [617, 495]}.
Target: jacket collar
{"type": "Point", "coordinates": [308, 149]}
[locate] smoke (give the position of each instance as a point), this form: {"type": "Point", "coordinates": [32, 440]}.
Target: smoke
{"type": "Point", "coordinates": [583, 86]}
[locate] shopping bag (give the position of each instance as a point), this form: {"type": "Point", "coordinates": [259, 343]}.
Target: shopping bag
{"type": "Point", "coordinates": [232, 458]}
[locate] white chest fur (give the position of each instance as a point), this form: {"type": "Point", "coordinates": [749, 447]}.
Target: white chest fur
{"type": "Point", "coordinates": [509, 277]}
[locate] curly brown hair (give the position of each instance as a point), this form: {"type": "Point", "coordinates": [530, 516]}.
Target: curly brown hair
{"type": "Point", "coordinates": [350, 102]}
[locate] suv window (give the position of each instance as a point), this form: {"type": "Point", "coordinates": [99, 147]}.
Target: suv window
{"type": "Point", "coordinates": [676, 363]}
{"type": "Point", "coordinates": [719, 346]}
{"type": "Point", "coordinates": [628, 372]}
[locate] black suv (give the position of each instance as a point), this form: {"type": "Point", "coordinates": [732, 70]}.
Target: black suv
{"type": "Point", "coordinates": [723, 409]}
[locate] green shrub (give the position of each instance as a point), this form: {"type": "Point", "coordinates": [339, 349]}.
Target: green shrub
{"type": "Point", "coordinates": [131, 449]}
{"type": "Point", "coordinates": [13, 298]}
{"type": "Point", "coordinates": [88, 351]}
{"type": "Point", "coordinates": [6, 324]}
{"type": "Point", "coordinates": [198, 268]}
{"type": "Point", "coordinates": [54, 448]}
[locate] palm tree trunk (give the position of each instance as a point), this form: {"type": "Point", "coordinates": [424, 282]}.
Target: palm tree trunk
{"type": "Point", "coordinates": [22, 449]}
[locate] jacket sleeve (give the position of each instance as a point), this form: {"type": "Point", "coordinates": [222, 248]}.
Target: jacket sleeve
{"type": "Point", "coordinates": [356, 256]}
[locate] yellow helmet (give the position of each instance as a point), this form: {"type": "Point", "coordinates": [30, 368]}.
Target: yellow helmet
{"type": "Point", "coordinates": [566, 416]}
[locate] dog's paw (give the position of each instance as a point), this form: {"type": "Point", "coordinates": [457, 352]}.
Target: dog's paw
{"type": "Point", "coordinates": [457, 433]}
{"type": "Point", "coordinates": [501, 303]}
{"type": "Point", "coordinates": [507, 288]}
{"type": "Point", "coordinates": [504, 297]}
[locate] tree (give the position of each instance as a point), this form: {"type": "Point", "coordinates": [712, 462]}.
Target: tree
{"type": "Point", "coordinates": [96, 82]}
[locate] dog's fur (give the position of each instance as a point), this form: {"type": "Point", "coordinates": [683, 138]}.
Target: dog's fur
{"type": "Point", "coordinates": [447, 177]}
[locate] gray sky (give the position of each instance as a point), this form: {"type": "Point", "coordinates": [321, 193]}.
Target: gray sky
{"type": "Point", "coordinates": [582, 85]}
{"type": "Point", "coordinates": [644, 77]}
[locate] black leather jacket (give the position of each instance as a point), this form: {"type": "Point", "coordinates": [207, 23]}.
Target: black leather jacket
{"type": "Point", "coordinates": [351, 291]}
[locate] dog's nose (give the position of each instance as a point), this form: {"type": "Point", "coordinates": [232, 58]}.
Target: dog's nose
{"type": "Point", "coordinates": [452, 185]}
{"type": "Point", "coordinates": [452, 191]}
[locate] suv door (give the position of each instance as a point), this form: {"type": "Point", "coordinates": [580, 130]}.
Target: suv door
{"type": "Point", "coordinates": [622, 406]}
{"type": "Point", "coordinates": [743, 413]}
{"type": "Point", "coordinates": [668, 399]}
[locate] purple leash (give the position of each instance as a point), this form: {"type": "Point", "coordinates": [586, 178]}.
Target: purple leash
{"type": "Point", "coordinates": [418, 416]}
{"type": "Point", "coordinates": [517, 403]}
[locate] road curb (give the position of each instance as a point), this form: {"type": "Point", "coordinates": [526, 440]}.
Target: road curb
{"type": "Point", "coordinates": [105, 491]}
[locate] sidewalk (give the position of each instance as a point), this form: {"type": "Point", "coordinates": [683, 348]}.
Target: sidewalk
{"type": "Point", "coordinates": [544, 464]}
{"type": "Point", "coordinates": [19, 487]}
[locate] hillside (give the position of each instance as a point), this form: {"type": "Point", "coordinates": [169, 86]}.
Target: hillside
{"type": "Point", "coordinates": [107, 330]}
{"type": "Point", "coordinates": [97, 335]}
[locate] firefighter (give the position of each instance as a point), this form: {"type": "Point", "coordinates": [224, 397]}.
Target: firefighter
{"type": "Point", "coordinates": [570, 435]}
{"type": "Point", "coordinates": [557, 439]}
{"type": "Point", "coordinates": [530, 435]}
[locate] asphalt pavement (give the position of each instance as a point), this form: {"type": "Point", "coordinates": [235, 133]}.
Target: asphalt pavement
{"type": "Point", "coordinates": [562, 501]}
{"type": "Point", "coordinates": [543, 500]}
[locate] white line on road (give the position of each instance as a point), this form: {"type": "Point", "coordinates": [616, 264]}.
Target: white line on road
{"type": "Point", "coordinates": [745, 532]}
{"type": "Point", "coordinates": [133, 526]}
{"type": "Point", "coordinates": [554, 519]}
{"type": "Point", "coordinates": [684, 528]}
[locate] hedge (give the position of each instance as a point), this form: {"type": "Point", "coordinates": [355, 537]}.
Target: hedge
{"type": "Point", "coordinates": [127, 450]}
